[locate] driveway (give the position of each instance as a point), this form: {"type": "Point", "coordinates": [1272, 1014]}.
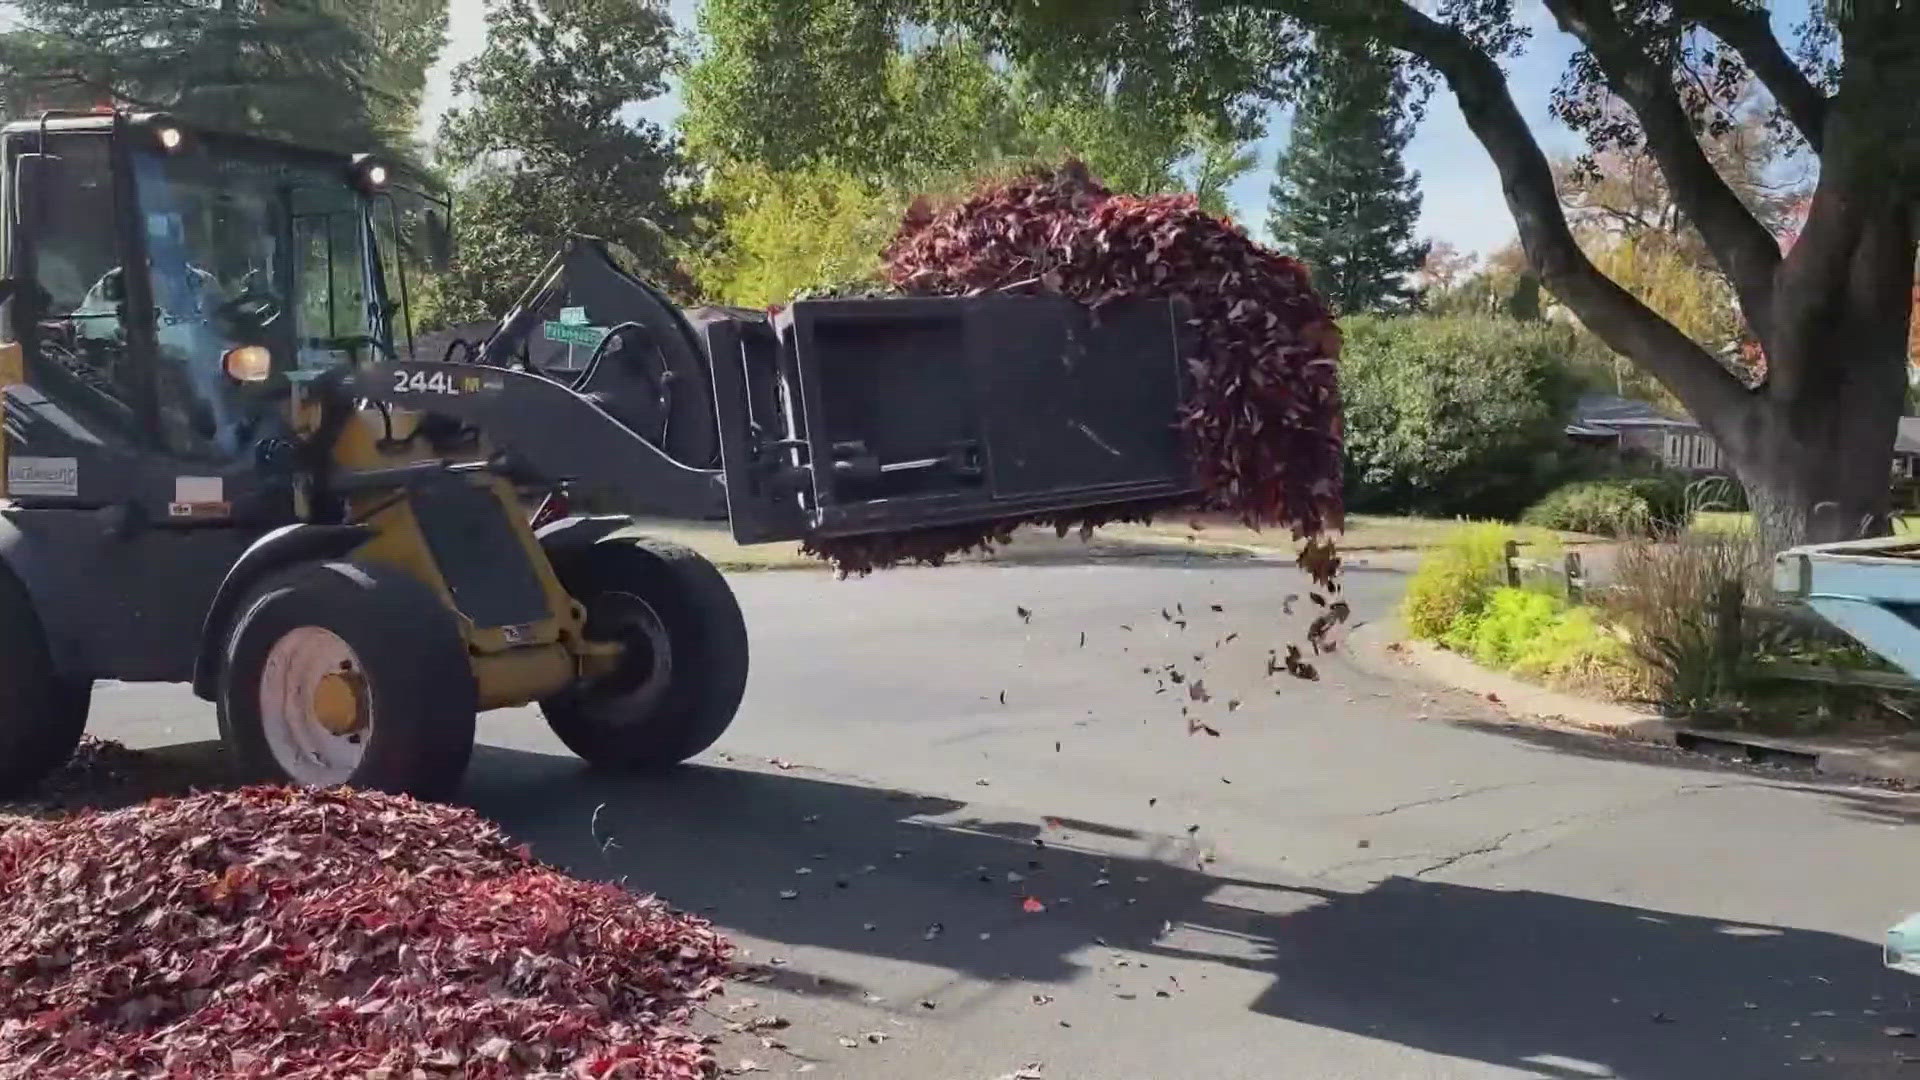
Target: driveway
{"type": "Point", "coordinates": [959, 842]}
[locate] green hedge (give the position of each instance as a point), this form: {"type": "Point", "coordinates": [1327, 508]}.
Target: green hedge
{"type": "Point", "coordinates": [1454, 416]}
{"type": "Point", "coordinates": [1632, 506]}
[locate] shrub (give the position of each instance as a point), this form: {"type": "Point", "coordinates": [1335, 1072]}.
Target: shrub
{"type": "Point", "coordinates": [1506, 627]}
{"type": "Point", "coordinates": [1538, 635]}
{"type": "Point", "coordinates": [1577, 652]}
{"type": "Point", "coordinates": [1664, 596]}
{"type": "Point", "coordinates": [1454, 581]}
{"type": "Point", "coordinates": [1454, 416]}
{"type": "Point", "coordinates": [1635, 506]}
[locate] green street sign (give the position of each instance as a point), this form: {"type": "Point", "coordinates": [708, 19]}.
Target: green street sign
{"type": "Point", "coordinates": [584, 336]}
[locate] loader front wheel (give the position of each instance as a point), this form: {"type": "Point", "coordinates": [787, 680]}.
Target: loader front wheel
{"type": "Point", "coordinates": [41, 714]}
{"type": "Point", "coordinates": [348, 673]}
{"type": "Point", "coordinates": [684, 669]}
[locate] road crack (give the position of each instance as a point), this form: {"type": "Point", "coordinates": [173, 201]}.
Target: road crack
{"type": "Point", "coordinates": [1438, 799]}
{"type": "Point", "coordinates": [1485, 849]}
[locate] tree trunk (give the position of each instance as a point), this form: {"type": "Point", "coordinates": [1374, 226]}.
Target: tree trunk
{"type": "Point", "coordinates": [1818, 467]}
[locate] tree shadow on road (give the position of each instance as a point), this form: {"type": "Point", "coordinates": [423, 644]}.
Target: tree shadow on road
{"type": "Point", "coordinates": [1551, 985]}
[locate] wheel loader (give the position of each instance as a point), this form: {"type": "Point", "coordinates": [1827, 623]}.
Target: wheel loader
{"type": "Point", "coordinates": [231, 462]}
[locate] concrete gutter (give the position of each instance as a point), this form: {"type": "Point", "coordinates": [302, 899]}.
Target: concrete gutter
{"type": "Point", "coordinates": [1382, 648]}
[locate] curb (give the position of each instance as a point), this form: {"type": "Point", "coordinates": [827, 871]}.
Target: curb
{"type": "Point", "coordinates": [1387, 651]}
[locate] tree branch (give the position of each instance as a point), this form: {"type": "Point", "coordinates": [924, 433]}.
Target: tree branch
{"type": "Point", "coordinates": [1627, 325]}
{"type": "Point", "coordinates": [1749, 32]}
{"type": "Point", "coordinates": [1744, 248]}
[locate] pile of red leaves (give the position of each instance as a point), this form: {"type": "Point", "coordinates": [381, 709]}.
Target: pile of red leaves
{"type": "Point", "coordinates": [274, 932]}
{"type": "Point", "coordinates": [1262, 420]}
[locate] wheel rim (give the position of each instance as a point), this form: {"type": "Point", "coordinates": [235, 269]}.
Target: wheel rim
{"type": "Point", "coordinates": [636, 685]}
{"type": "Point", "coordinates": [316, 710]}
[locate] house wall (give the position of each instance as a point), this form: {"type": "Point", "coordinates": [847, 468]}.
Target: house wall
{"type": "Point", "coordinates": [1687, 450]}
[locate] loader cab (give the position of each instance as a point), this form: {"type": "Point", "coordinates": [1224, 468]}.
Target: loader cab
{"type": "Point", "coordinates": [164, 285]}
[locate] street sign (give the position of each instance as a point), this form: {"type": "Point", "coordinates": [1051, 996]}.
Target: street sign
{"type": "Point", "coordinates": [574, 316]}
{"type": "Point", "coordinates": [584, 336]}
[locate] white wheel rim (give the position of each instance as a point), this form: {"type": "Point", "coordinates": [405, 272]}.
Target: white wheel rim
{"type": "Point", "coordinates": [304, 749]}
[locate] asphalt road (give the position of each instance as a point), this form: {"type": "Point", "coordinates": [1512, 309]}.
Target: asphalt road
{"type": "Point", "coordinates": [1358, 878]}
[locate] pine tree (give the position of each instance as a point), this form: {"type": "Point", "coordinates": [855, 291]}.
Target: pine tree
{"type": "Point", "coordinates": [1342, 199]}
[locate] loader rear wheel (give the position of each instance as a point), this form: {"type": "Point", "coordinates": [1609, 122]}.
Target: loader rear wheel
{"type": "Point", "coordinates": [685, 667]}
{"type": "Point", "coordinates": [347, 673]}
{"type": "Point", "coordinates": [41, 714]}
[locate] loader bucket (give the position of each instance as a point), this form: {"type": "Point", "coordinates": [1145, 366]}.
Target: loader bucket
{"type": "Point", "coordinates": [834, 418]}
{"type": "Point", "coordinates": [844, 417]}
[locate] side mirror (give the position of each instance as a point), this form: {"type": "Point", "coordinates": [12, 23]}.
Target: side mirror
{"type": "Point", "coordinates": [112, 288]}
{"type": "Point", "coordinates": [439, 239]}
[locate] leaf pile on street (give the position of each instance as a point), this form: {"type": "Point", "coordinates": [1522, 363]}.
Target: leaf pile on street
{"type": "Point", "coordinates": [1261, 419]}
{"type": "Point", "coordinates": [105, 773]}
{"type": "Point", "coordinates": [306, 934]}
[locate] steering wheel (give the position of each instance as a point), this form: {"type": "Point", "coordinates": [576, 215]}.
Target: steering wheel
{"type": "Point", "coordinates": [254, 304]}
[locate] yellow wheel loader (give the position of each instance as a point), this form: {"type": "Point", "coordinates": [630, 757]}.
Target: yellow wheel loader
{"type": "Point", "coordinates": [229, 461]}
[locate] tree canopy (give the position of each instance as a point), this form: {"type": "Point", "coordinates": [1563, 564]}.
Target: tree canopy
{"type": "Point", "coordinates": [816, 122]}
{"type": "Point", "coordinates": [330, 73]}
{"type": "Point", "coordinates": [851, 84]}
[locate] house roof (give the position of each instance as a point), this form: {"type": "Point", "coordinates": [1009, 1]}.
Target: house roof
{"type": "Point", "coordinates": [1603, 414]}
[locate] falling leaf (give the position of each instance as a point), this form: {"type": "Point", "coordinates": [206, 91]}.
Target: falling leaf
{"type": "Point", "coordinates": [1897, 1032]}
{"type": "Point", "coordinates": [1286, 606]}
{"type": "Point", "coordinates": [803, 870]}
{"type": "Point", "coordinates": [779, 764]}
{"type": "Point", "coordinates": [1083, 639]}
{"type": "Point", "coordinates": [1032, 905]}
{"type": "Point", "coordinates": [851, 1044]}
{"type": "Point", "coordinates": [928, 1005]}
{"type": "Point", "coordinates": [789, 894]}
{"type": "Point", "coordinates": [1056, 746]}
{"type": "Point", "coordinates": [1152, 799]}
{"type": "Point", "coordinates": [869, 927]}
{"type": "Point", "coordinates": [1015, 877]}
{"type": "Point", "coordinates": [983, 782]}
{"type": "Point", "coordinates": [1025, 615]}
{"type": "Point", "coordinates": [1364, 844]}
{"type": "Point", "coordinates": [1217, 607]}
{"type": "Point", "coordinates": [1233, 705]}
{"type": "Point", "coordinates": [1043, 999]}
{"type": "Point", "coordinates": [1003, 697]}
{"type": "Point", "coordinates": [934, 931]}
{"type": "Point", "coordinates": [1198, 691]}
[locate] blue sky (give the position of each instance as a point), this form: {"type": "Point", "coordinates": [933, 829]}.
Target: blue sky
{"type": "Point", "coordinates": [1462, 204]}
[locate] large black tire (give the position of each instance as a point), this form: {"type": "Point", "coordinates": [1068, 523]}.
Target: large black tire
{"type": "Point", "coordinates": [41, 715]}
{"type": "Point", "coordinates": [409, 660]}
{"type": "Point", "coordinates": [685, 669]}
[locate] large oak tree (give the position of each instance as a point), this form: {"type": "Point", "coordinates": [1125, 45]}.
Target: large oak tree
{"type": "Point", "coordinates": [1811, 442]}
